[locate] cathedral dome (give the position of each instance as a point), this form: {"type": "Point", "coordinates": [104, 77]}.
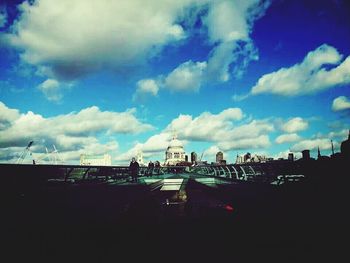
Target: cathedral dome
{"type": "Point", "coordinates": [175, 143]}
{"type": "Point", "coordinates": [175, 152]}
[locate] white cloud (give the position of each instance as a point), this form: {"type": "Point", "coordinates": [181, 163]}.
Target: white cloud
{"type": "Point", "coordinates": [313, 144]}
{"type": "Point", "coordinates": [261, 141]}
{"type": "Point", "coordinates": [101, 34]}
{"type": "Point", "coordinates": [145, 88]}
{"type": "Point", "coordinates": [154, 146]}
{"type": "Point", "coordinates": [228, 25]}
{"type": "Point", "coordinates": [186, 77]}
{"type": "Point", "coordinates": [308, 77]}
{"type": "Point", "coordinates": [284, 155]}
{"type": "Point", "coordinates": [207, 126]}
{"type": "Point", "coordinates": [341, 103]}
{"type": "Point", "coordinates": [222, 129]}
{"type": "Point", "coordinates": [294, 125]}
{"type": "Point", "coordinates": [253, 129]}
{"type": "Point", "coordinates": [51, 89]}
{"type": "Point", "coordinates": [7, 115]}
{"type": "Point", "coordinates": [290, 137]}
{"type": "Point", "coordinates": [73, 133]}
{"type": "Point", "coordinates": [210, 153]}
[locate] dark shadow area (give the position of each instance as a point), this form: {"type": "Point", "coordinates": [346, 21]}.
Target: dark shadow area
{"type": "Point", "coordinates": [292, 222]}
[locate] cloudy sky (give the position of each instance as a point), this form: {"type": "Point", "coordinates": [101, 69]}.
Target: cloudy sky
{"type": "Point", "coordinates": [116, 77]}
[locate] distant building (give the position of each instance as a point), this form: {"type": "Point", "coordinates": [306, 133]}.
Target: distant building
{"type": "Point", "coordinates": [175, 152]}
{"type": "Point", "coordinates": [290, 156]}
{"type": "Point", "coordinates": [345, 147]}
{"type": "Point", "coordinates": [306, 154]}
{"type": "Point", "coordinates": [219, 157]}
{"type": "Point", "coordinates": [239, 159]}
{"type": "Point", "coordinates": [139, 157]}
{"type": "Point", "coordinates": [193, 157]}
{"type": "Point", "coordinates": [96, 160]}
{"type": "Point", "coordinates": [258, 158]}
{"type": "Point", "coordinates": [246, 157]}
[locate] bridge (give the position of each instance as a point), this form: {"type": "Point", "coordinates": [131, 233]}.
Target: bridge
{"type": "Point", "coordinates": [251, 205]}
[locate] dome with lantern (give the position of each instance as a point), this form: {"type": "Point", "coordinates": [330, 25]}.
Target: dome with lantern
{"type": "Point", "coordinates": [175, 152]}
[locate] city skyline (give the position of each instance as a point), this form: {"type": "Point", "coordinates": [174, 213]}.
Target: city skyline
{"type": "Point", "coordinates": [117, 77]}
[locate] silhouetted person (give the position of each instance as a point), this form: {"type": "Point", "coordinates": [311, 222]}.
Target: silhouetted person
{"type": "Point", "coordinates": [150, 168]}
{"type": "Point", "coordinates": [157, 167]}
{"type": "Point", "coordinates": [134, 169]}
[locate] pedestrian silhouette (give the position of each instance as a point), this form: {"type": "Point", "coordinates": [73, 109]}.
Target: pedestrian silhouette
{"type": "Point", "coordinates": [150, 168]}
{"type": "Point", "coordinates": [134, 169]}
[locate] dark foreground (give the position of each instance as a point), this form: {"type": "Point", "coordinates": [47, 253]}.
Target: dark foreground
{"type": "Point", "coordinates": [302, 222]}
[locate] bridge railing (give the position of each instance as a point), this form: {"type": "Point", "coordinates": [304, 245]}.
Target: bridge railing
{"type": "Point", "coordinates": [265, 172]}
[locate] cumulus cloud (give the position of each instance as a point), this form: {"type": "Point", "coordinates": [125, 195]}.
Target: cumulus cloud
{"type": "Point", "coordinates": [294, 125]}
{"type": "Point", "coordinates": [145, 88]}
{"type": "Point", "coordinates": [284, 155]}
{"type": "Point", "coordinates": [100, 38]}
{"type": "Point", "coordinates": [261, 141]}
{"type": "Point", "coordinates": [154, 146]}
{"type": "Point", "coordinates": [308, 77]}
{"type": "Point", "coordinates": [74, 132]}
{"type": "Point", "coordinates": [207, 126]}
{"type": "Point", "coordinates": [341, 103]}
{"type": "Point", "coordinates": [7, 115]}
{"type": "Point", "coordinates": [290, 137]}
{"type": "Point", "coordinates": [51, 89]}
{"type": "Point", "coordinates": [313, 144]}
{"type": "Point", "coordinates": [186, 77]}
{"type": "Point", "coordinates": [223, 129]}
{"type": "Point", "coordinates": [228, 25]}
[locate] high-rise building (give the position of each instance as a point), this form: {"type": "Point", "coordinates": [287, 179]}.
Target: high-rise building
{"type": "Point", "coordinates": [247, 157]}
{"type": "Point", "coordinates": [345, 147]}
{"type": "Point", "coordinates": [219, 157]}
{"type": "Point", "coordinates": [306, 154]}
{"type": "Point", "coordinates": [290, 156]}
{"type": "Point", "coordinates": [193, 157]}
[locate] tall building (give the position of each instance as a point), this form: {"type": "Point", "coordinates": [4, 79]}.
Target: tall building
{"type": "Point", "coordinates": [96, 160]}
{"type": "Point", "coordinates": [219, 157]}
{"type": "Point", "coordinates": [175, 152]}
{"type": "Point", "coordinates": [193, 157]}
{"type": "Point", "coordinates": [345, 147]}
{"type": "Point", "coordinates": [290, 156]}
{"type": "Point", "coordinates": [306, 154]}
{"type": "Point", "coordinates": [247, 157]}
{"type": "Point", "coordinates": [239, 159]}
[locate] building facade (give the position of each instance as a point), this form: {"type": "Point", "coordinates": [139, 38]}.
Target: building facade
{"type": "Point", "coordinates": [96, 160]}
{"type": "Point", "coordinates": [219, 157]}
{"type": "Point", "coordinates": [175, 152]}
{"type": "Point", "coordinates": [193, 157]}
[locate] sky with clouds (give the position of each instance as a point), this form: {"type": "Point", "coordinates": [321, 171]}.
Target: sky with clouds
{"type": "Point", "coordinates": [93, 77]}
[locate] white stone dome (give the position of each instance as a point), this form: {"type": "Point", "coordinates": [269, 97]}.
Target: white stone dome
{"type": "Point", "coordinates": [175, 143]}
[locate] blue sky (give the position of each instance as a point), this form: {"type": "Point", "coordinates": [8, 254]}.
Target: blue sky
{"type": "Point", "coordinates": [117, 77]}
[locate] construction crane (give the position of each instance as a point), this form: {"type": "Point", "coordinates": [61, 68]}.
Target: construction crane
{"type": "Point", "coordinates": [52, 156]}
{"type": "Point", "coordinates": [200, 159]}
{"type": "Point", "coordinates": [25, 153]}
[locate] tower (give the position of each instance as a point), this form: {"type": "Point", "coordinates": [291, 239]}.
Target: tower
{"type": "Point", "coordinates": [219, 157]}
{"type": "Point", "coordinates": [193, 157]}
